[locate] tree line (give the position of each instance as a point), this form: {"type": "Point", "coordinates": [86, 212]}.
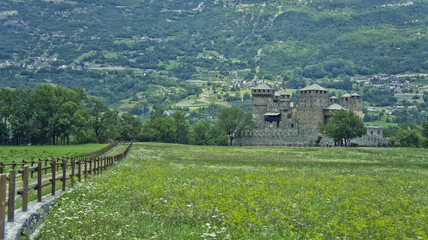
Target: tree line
{"type": "Point", "coordinates": [175, 128]}
{"type": "Point", "coordinates": [56, 115]}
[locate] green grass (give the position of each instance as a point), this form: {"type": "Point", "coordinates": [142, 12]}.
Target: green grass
{"type": "Point", "coordinates": [165, 191]}
{"type": "Point", "coordinates": [381, 124]}
{"type": "Point", "coordinates": [19, 153]}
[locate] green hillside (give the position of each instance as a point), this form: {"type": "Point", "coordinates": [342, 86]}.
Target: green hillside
{"type": "Point", "coordinates": [119, 49]}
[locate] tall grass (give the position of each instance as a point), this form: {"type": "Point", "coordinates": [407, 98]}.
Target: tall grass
{"type": "Point", "coordinates": [165, 191]}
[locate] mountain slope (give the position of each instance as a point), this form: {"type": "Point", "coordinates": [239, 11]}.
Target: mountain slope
{"type": "Point", "coordinates": [115, 49]}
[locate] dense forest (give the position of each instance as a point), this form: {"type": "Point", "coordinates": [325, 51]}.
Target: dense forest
{"type": "Point", "coordinates": [114, 49]}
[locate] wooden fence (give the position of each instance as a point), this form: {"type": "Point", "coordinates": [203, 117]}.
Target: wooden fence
{"type": "Point", "coordinates": [14, 164]}
{"type": "Point", "coordinates": [63, 170]}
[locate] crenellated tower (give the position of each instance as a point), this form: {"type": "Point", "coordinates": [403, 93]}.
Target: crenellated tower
{"type": "Point", "coordinates": [311, 102]}
{"type": "Point", "coordinates": [262, 96]}
{"type": "Point", "coordinates": [353, 103]}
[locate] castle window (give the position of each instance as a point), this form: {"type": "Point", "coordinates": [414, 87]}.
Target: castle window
{"type": "Point", "coordinates": [371, 132]}
{"type": "Point", "coordinates": [378, 132]}
{"type": "Point", "coordinates": [263, 90]}
{"type": "Point", "coordinates": [292, 125]}
{"type": "Point", "coordinates": [316, 91]}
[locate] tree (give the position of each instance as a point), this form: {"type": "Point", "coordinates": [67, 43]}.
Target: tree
{"type": "Point", "coordinates": [347, 84]}
{"type": "Point", "coordinates": [96, 109]}
{"type": "Point", "coordinates": [21, 124]}
{"type": "Point", "coordinates": [409, 138]}
{"type": "Point", "coordinates": [425, 133]}
{"type": "Point", "coordinates": [246, 96]}
{"type": "Point", "coordinates": [6, 100]}
{"type": "Point", "coordinates": [425, 129]}
{"type": "Point", "coordinates": [344, 126]}
{"type": "Point", "coordinates": [130, 127]}
{"type": "Point", "coordinates": [159, 128]}
{"type": "Point", "coordinates": [201, 130]}
{"type": "Point", "coordinates": [234, 122]}
{"type": "Point", "coordinates": [182, 128]}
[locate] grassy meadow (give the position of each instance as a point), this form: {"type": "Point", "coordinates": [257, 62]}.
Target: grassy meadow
{"type": "Point", "coordinates": [19, 153]}
{"type": "Point", "coordinates": [166, 191]}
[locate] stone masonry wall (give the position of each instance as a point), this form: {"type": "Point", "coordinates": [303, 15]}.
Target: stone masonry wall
{"type": "Point", "coordinates": [273, 136]}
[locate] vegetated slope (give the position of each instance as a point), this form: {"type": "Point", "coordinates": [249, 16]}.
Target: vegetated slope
{"type": "Point", "coordinates": [165, 191]}
{"type": "Point", "coordinates": [89, 43]}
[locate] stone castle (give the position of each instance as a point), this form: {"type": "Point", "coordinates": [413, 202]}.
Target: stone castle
{"type": "Point", "coordinates": [282, 122]}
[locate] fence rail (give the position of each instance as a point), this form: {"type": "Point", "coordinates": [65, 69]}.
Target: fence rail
{"type": "Point", "coordinates": [61, 169]}
{"type": "Point", "coordinates": [46, 160]}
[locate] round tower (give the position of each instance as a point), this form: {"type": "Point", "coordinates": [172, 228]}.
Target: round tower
{"type": "Point", "coordinates": [311, 102]}
{"type": "Point", "coordinates": [262, 95]}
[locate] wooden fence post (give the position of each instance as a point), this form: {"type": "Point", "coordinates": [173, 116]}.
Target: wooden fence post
{"type": "Point", "coordinates": [101, 166]}
{"type": "Point", "coordinates": [53, 167]}
{"type": "Point", "coordinates": [98, 165]}
{"type": "Point", "coordinates": [2, 203]}
{"type": "Point", "coordinates": [39, 181]}
{"type": "Point", "coordinates": [95, 165]}
{"type": "Point", "coordinates": [64, 174]}
{"type": "Point", "coordinates": [11, 200]}
{"type": "Point", "coordinates": [90, 166]}
{"type": "Point", "coordinates": [72, 172]}
{"type": "Point", "coordinates": [25, 189]}
{"type": "Point", "coordinates": [46, 164]}
{"type": "Point", "coordinates": [79, 170]}
{"type": "Point", "coordinates": [86, 168]}
{"type": "Point", "coordinates": [32, 164]}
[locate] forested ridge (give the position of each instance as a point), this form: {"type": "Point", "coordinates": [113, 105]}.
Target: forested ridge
{"type": "Point", "coordinates": [115, 49]}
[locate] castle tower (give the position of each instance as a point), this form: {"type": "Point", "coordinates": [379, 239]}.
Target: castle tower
{"type": "Point", "coordinates": [311, 102]}
{"type": "Point", "coordinates": [353, 103]}
{"type": "Point", "coordinates": [333, 100]}
{"type": "Point", "coordinates": [262, 95]}
{"type": "Point", "coordinates": [345, 101]}
{"type": "Point", "coordinates": [284, 107]}
{"type": "Point", "coordinates": [356, 104]}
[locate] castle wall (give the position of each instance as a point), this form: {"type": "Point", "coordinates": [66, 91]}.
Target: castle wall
{"type": "Point", "coordinates": [270, 135]}
{"type": "Point", "coordinates": [371, 141]}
